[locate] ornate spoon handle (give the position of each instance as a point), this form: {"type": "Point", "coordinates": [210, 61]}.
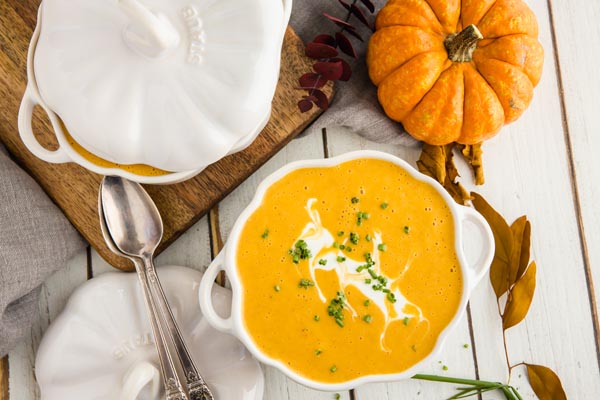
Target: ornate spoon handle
{"type": "Point", "coordinates": [196, 386]}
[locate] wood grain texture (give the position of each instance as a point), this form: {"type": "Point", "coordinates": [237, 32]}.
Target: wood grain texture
{"type": "Point", "coordinates": [579, 84]}
{"type": "Point", "coordinates": [4, 393]}
{"type": "Point", "coordinates": [75, 190]}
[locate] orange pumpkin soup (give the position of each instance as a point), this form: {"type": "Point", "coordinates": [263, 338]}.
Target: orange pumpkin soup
{"type": "Point", "coordinates": [349, 270]}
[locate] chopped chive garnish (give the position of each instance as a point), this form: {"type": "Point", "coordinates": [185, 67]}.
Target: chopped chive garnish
{"type": "Point", "coordinates": [384, 206]}
{"type": "Point", "coordinates": [367, 319]}
{"type": "Point", "coordinates": [368, 281]}
{"type": "Point", "coordinates": [340, 259]}
{"type": "Point", "coordinates": [377, 287]}
{"type": "Point", "coordinates": [391, 297]}
{"type": "Point", "coordinates": [322, 261]}
{"type": "Point", "coordinates": [348, 249]}
{"type": "Point", "coordinates": [445, 368]}
{"type": "Point", "coordinates": [360, 216]}
{"type": "Point", "coordinates": [333, 368]}
{"type": "Point", "coordinates": [335, 245]}
{"type": "Point", "coordinates": [466, 345]}
{"type": "Point", "coordinates": [306, 283]}
{"type": "Point", "coordinates": [300, 251]}
{"type": "Point", "coordinates": [354, 238]}
{"type": "Point", "coordinates": [405, 320]}
{"type": "Point", "coordinates": [367, 302]}
{"type": "Point", "coordinates": [406, 229]}
{"type": "Point", "coordinates": [355, 200]}
{"type": "Point", "coordinates": [382, 280]}
{"type": "Point", "coordinates": [369, 259]}
{"type": "Point", "coordinates": [373, 274]}
{"type": "Point", "coordinates": [265, 234]}
{"type": "Point", "coordinates": [385, 290]}
{"type": "Point", "coordinates": [336, 309]}
{"type": "Point", "coordinates": [342, 247]}
{"type": "Point", "coordinates": [341, 233]}
{"type": "Point", "coordinates": [317, 318]}
{"type": "Point", "coordinates": [381, 247]}
{"type": "Point", "coordinates": [277, 288]}
{"type": "Point", "coordinates": [337, 396]}
{"type": "Point", "coordinates": [368, 238]}
{"type": "Point", "coordinates": [318, 352]}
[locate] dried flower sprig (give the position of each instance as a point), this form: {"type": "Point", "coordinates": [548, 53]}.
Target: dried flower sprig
{"type": "Point", "coordinates": [325, 49]}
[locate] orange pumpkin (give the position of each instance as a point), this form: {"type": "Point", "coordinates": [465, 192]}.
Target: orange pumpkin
{"type": "Point", "coordinates": [452, 70]}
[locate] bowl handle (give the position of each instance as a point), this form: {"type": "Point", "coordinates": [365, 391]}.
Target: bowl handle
{"type": "Point", "coordinates": [205, 296]}
{"type": "Point", "coordinates": [30, 100]}
{"type": "Point", "coordinates": [476, 229]}
{"type": "Point", "coordinates": [139, 376]}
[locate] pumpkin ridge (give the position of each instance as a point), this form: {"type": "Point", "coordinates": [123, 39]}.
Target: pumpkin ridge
{"type": "Point", "coordinates": [482, 17]}
{"type": "Point", "coordinates": [407, 61]}
{"type": "Point", "coordinates": [437, 16]}
{"type": "Point", "coordinates": [519, 66]}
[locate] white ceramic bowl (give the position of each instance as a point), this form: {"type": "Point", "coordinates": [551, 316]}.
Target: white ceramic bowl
{"type": "Point", "coordinates": [139, 154]}
{"type": "Point", "coordinates": [474, 247]}
{"type": "Point", "coordinates": [101, 346]}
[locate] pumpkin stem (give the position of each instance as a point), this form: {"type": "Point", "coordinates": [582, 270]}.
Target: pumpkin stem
{"type": "Point", "coordinates": [460, 46]}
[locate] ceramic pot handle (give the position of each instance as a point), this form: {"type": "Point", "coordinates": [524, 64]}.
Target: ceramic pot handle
{"type": "Point", "coordinates": [137, 378]}
{"type": "Point", "coordinates": [478, 244]}
{"type": "Point", "coordinates": [30, 100]}
{"type": "Point", "coordinates": [205, 296]}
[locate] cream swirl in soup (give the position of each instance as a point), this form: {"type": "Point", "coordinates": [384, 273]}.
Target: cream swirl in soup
{"type": "Point", "coordinates": [348, 271]}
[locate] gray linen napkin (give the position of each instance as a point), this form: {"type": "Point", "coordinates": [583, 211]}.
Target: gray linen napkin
{"type": "Point", "coordinates": [35, 240]}
{"type": "Point", "coordinates": [355, 104]}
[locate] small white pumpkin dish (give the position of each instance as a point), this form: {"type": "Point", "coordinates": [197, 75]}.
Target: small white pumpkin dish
{"type": "Point", "coordinates": [101, 346]}
{"type": "Point", "coordinates": [169, 85]}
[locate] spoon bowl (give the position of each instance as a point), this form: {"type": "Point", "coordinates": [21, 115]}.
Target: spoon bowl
{"type": "Point", "coordinates": [130, 216]}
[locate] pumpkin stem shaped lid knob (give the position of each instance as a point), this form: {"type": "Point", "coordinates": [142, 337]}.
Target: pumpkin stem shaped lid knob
{"type": "Point", "coordinates": [460, 46]}
{"type": "Point", "coordinates": [148, 33]}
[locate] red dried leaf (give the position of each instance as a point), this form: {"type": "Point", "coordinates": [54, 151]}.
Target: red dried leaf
{"type": "Point", "coordinates": [355, 34]}
{"type": "Point", "coordinates": [305, 105]}
{"type": "Point", "coordinates": [320, 50]}
{"type": "Point", "coordinates": [370, 6]}
{"type": "Point", "coordinates": [339, 22]}
{"type": "Point", "coordinates": [345, 5]}
{"type": "Point", "coordinates": [311, 80]}
{"type": "Point", "coordinates": [322, 101]}
{"type": "Point", "coordinates": [357, 12]}
{"type": "Point", "coordinates": [311, 98]}
{"type": "Point", "coordinates": [345, 45]}
{"type": "Point", "coordinates": [325, 39]}
{"type": "Point", "coordinates": [329, 70]}
{"type": "Point", "coordinates": [347, 70]}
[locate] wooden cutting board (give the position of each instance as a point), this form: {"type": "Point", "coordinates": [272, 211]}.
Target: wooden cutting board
{"type": "Point", "coordinates": [75, 190]}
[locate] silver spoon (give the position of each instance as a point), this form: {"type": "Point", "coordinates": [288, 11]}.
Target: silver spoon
{"type": "Point", "coordinates": [169, 373]}
{"type": "Point", "coordinates": [135, 227]}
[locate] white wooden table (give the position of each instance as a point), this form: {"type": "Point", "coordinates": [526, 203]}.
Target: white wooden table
{"type": "Point", "coordinates": [546, 165]}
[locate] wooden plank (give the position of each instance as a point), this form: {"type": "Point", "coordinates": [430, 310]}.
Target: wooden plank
{"type": "Point", "coordinates": [75, 189]}
{"type": "Point", "coordinates": [277, 385]}
{"type": "Point", "coordinates": [55, 293]}
{"type": "Point", "coordinates": [4, 390]}
{"type": "Point", "coordinates": [455, 356]}
{"type": "Point", "coordinates": [527, 172]}
{"type": "Point", "coordinates": [577, 37]}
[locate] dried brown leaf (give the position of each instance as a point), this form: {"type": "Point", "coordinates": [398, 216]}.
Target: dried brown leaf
{"type": "Point", "coordinates": [346, 69]}
{"type": "Point", "coordinates": [474, 156]}
{"type": "Point", "coordinates": [312, 80]}
{"type": "Point", "coordinates": [369, 4]}
{"type": "Point", "coordinates": [322, 100]}
{"type": "Point", "coordinates": [520, 298]}
{"type": "Point", "coordinates": [325, 39]}
{"type": "Point", "coordinates": [503, 238]}
{"type": "Point", "coordinates": [437, 162]}
{"type": "Point", "coordinates": [519, 258]}
{"type": "Point", "coordinates": [329, 70]}
{"type": "Point", "coordinates": [545, 383]}
{"type": "Point", "coordinates": [318, 51]}
{"type": "Point", "coordinates": [354, 9]}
